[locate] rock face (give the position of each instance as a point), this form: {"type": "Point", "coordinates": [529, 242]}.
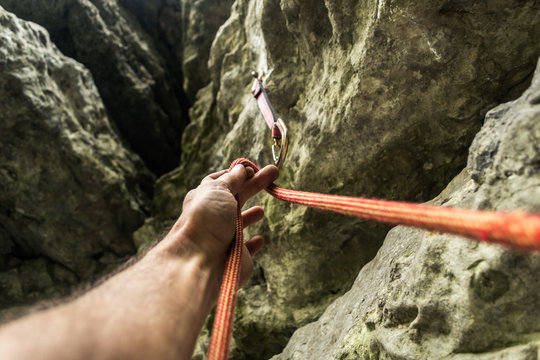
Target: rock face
{"type": "Point", "coordinates": [433, 296]}
{"type": "Point", "coordinates": [136, 65]}
{"type": "Point", "coordinates": [382, 99]}
{"type": "Point", "coordinates": [71, 194]}
{"type": "Point", "coordinates": [200, 22]}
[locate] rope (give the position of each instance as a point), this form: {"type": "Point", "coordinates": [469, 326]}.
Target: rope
{"type": "Point", "coordinates": [518, 229]}
{"type": "Point", "coordinates": [222, 327]}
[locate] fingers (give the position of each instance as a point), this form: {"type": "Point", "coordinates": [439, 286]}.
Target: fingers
{"type": "Point", "coordinates": [251, 247]}
{"type": "Point", "coordinates": [259, 181]}
{"type": "Point", "coordinates": [252, 215]}
{"type": "Point", "coordinates": [235, 179]}
{"type": "Point", "coordinates": [255, 244]}
{"type": "Point", "coordinates": [213, 176]}
{"type": "Point", "coordinates": [243, 181]}
{"type": "Point", "coordinates": [250, 172]}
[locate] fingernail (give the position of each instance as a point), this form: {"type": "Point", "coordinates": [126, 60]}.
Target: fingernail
{"type": "Point", "coordinates": [238, 167]}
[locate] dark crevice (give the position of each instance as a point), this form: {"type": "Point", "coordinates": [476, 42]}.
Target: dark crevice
{"type": "Point", "coordinates": [63, 39]}
{"type": "Point", "coordinates": [171, 55]}
{"type": "Point", "coordinates": [515, 90]}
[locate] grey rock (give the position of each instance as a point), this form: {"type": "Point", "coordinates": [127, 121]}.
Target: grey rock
{"type": "Point", "coordinates": [382, 99]}
{"type": "Point", "coordinates": [432, 296]}
{"type": "Point", "coordinates": [141, 86]}
{"type": "Point", "coordinates": [71, 194]}
{"type": "Point", "coordinates": [183, 32]}
{"type": "Point", "coordinates": [200, 21]}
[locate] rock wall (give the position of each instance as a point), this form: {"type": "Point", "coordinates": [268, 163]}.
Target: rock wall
{"type": "Point", "coordinates": [71, 194]}
{"type": "Point", "coordinates": [136, 65]}
{"type": "Point", "coordinates": [382, 99]}
{"type": "Point", "coordinates": [200, 21]}
{"type": "Point", "coordinates": [433, 296]}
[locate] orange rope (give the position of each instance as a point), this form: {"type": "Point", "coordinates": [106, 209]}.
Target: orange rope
{"type": "Point", "coordinates": [518, 229]}
{"type": "Point", "coordinates": [222, 327]}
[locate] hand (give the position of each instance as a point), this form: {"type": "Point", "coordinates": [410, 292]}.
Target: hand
{"type": "Point", "coordinates": [170, 291]}
{"type": "Point", "coordinates": [208, 220]}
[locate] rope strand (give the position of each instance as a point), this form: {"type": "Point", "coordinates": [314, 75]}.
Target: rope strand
{"type": "Point", "coordinates": [223, 322]}
{"type": "Point", "coordinates": [518, 229]}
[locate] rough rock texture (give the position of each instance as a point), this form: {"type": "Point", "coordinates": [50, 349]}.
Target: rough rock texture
{"type": "Point", "coordinates": [183, 31]}
{"type": "Point", "coordinates": [136, 65]}
{"type": "Point", "coordinates": [382, 99]}
{"type": "Point", "coordinates": [70, 192]}
{"type": "Point", "coordinates": [433, 296]}
{"type": "Point", "coordinates": [201, 20]}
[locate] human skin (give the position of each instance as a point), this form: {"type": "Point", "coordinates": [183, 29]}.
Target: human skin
{"type": "Point", "coordinates": [155, 308]}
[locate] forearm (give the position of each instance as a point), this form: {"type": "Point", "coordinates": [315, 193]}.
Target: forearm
{"type": "Point", "coordinates": [154, 309]}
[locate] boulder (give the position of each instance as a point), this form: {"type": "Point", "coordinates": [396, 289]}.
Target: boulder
{"type": "Point", "coordinates": [382, 99]}
{"type": "Point", "coordinates": [71, 194]}
{"type": "Point", "coordinates": [136, 65]}
{"type": "Point", "coordinates": [431, 296]}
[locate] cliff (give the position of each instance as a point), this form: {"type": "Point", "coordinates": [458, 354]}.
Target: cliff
{"type": "Point", "coordinates": [433, 296]}
{"type": "Point", "coordinates": [71, 193]}
{"type": "Point", "coordinates": [382, 99]}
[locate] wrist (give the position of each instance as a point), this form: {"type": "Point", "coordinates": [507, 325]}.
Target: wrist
{"type": "Point", "coordinates": [179, 252]}
{"type": "Point", "coordinates": [165, 288]}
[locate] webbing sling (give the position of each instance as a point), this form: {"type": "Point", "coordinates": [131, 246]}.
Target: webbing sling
{"type": "Point", "coordinates": [269, 115]}
{"type": "Point", "coordinates": [276, 125]}
{"type": "Point", "coordinates": [517, 229]}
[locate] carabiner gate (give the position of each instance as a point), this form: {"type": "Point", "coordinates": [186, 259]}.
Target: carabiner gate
{"type": "Point", "coordinates": [279, 149]}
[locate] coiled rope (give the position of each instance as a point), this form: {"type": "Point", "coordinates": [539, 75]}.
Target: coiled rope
{"type": "Point", "coordinates": [517, 229]}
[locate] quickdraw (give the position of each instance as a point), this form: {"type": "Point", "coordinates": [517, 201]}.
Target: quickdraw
{"type": "Point", "coordinates": [279, 130]}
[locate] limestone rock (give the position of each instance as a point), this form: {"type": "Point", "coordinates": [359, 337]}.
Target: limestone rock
{"type": "Point", "coordinates": [433, 296]}
{"type": "Point", "coordinates": [71, 194]}
{"type": "Point", "coordinates": [201, 20]}
{"type": "Point", "coordinates": [382, 99]}
{"type": "Point", "coordinates": [137, 72]}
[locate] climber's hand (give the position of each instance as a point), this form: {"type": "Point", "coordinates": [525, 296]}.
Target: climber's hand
{"type": "Point", "coordinates": [208, 221]}
{"type": "Point", "coordinates": [156, 308]}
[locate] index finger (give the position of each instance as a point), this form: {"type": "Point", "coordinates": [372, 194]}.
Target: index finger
{"type": "Point", "coordinates": [213, 176]}
{"type": "Point", "coordinates": [258, 182]}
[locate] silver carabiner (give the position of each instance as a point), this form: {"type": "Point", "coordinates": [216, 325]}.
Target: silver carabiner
{"type": "Point", "coordinates": [280, 146]}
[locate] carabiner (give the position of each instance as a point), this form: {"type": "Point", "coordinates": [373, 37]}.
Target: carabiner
{"type": "Point", "coordinates": [279, 149]}
{"type": "Point", "coordinates": [276, 125]}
